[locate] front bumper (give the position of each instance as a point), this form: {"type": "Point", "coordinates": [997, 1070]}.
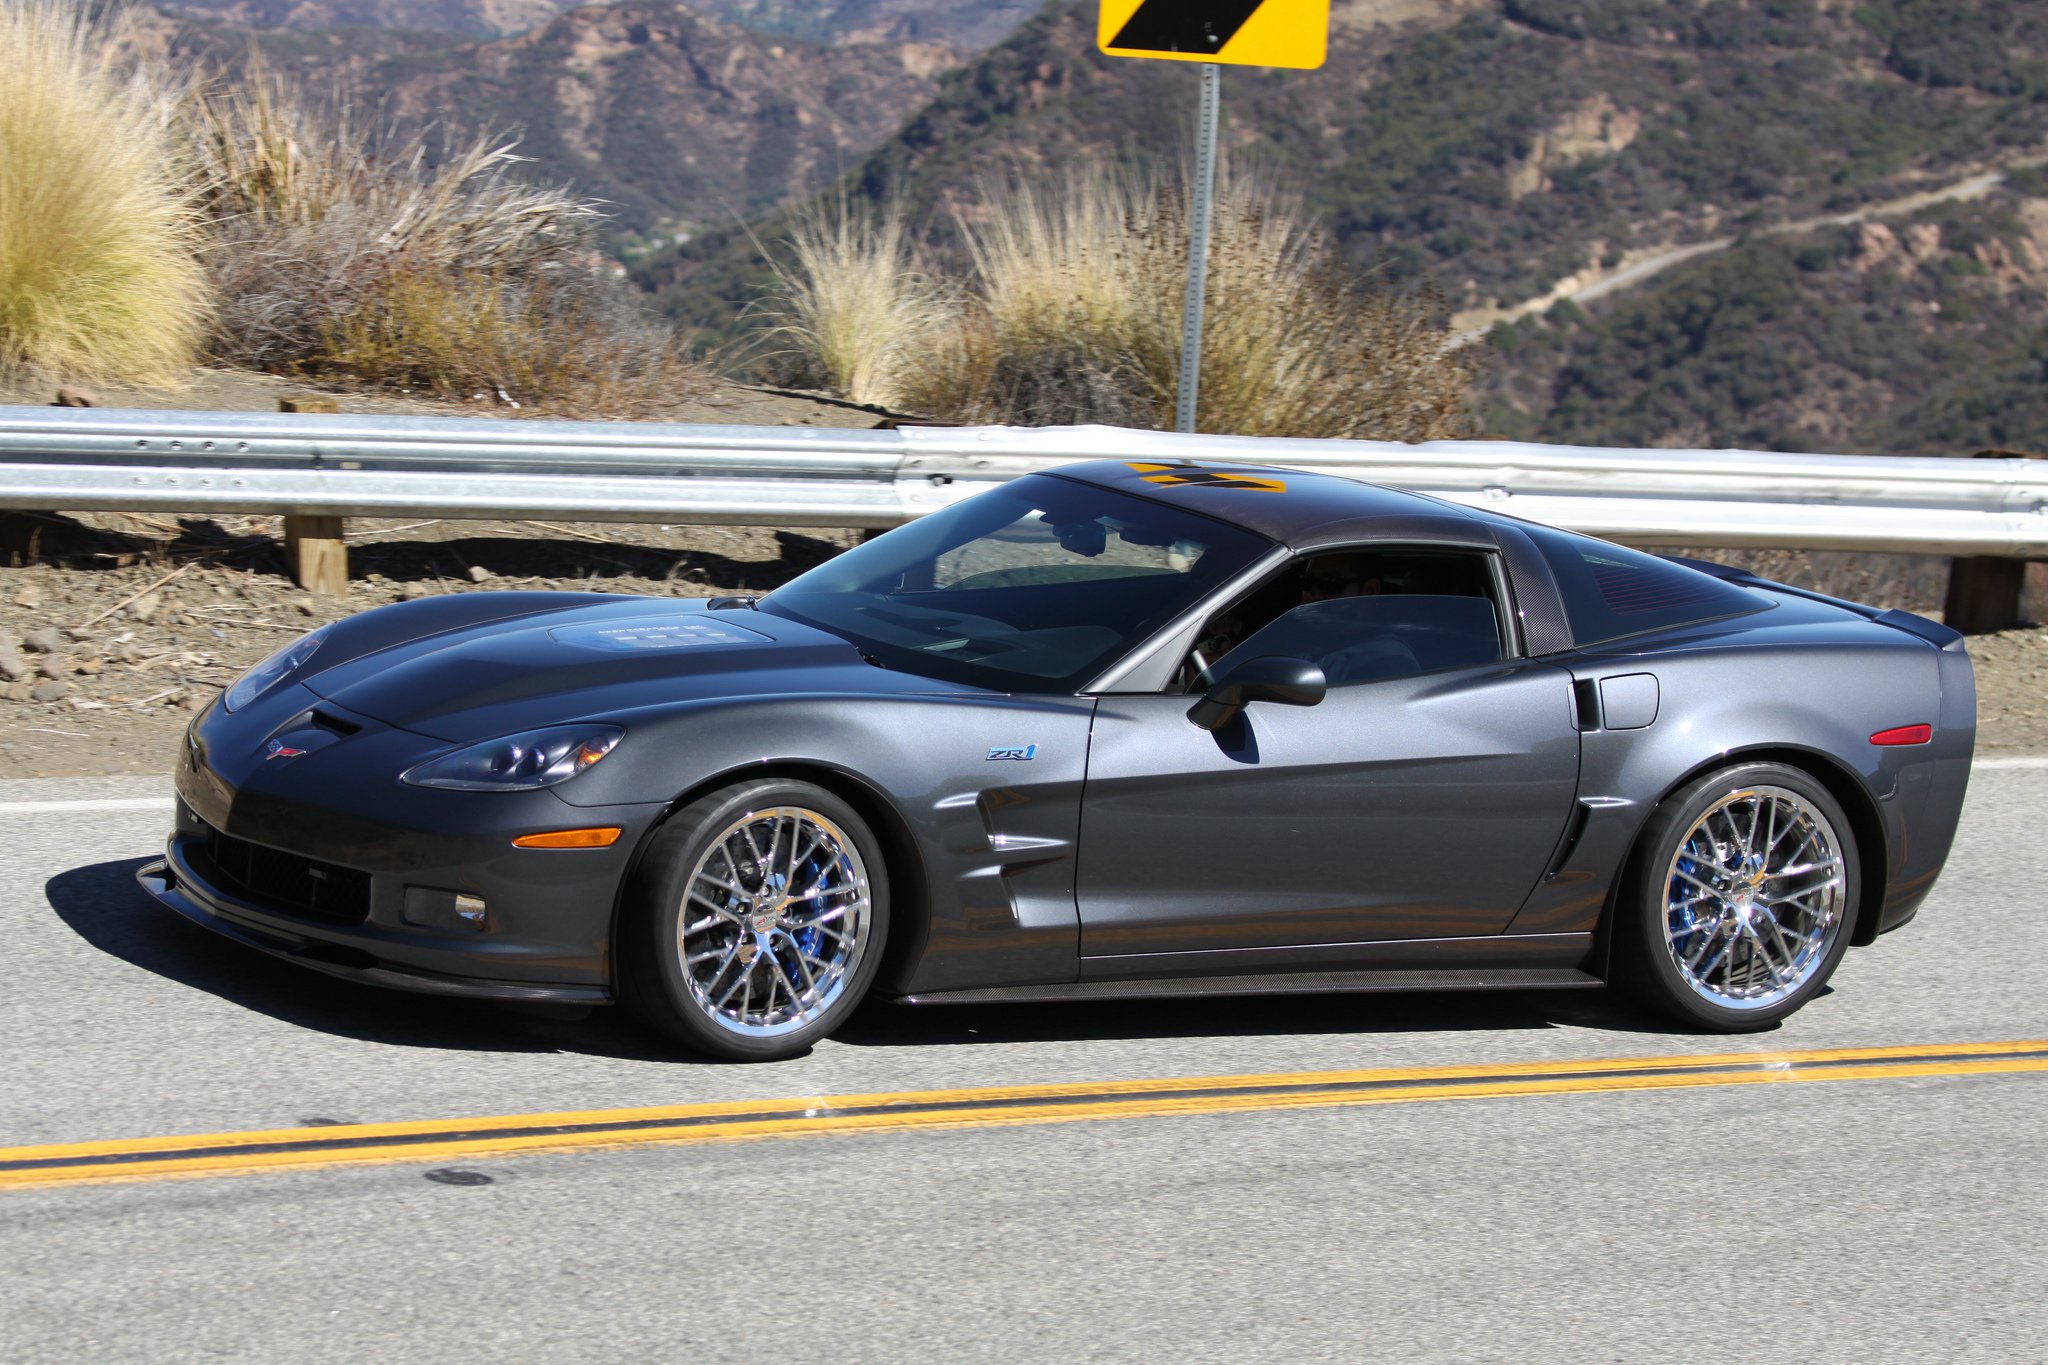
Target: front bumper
{"type": "Point", "coordinates": [329, 861]}
{"type": "Point", "coordinates": [209, 909]}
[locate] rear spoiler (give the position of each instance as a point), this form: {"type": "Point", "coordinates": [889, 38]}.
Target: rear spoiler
{"type": "Point", "coordinates": [1933, 632]}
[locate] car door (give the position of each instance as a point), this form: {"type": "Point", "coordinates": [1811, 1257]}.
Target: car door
{"type": "Point", "coordinates": [1420, 799]}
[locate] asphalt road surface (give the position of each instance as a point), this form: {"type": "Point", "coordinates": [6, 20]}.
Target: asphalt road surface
{"type": "Point", "coordinates": [1475, 1194]}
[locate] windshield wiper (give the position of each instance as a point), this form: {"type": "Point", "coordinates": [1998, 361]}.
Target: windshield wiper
{"type": "Point", "coordinates": [736, 601]}
{"type": "Point", "coordinates": [868, 658]}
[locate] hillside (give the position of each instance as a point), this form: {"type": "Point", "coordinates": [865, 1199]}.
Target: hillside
{"type": "Point", "coordinates": [676, 119]}
{"type": "Point", "coordinates": [1504, 144]}
{"type": "Point", "coordinates": [969, 25]}
{"type": "Point", "coordinates": [1928, 336]}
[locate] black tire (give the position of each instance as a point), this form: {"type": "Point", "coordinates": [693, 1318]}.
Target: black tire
{"type": "Point", "coordinates": [1656, 931]}
{"type": "Point", "coordinates": [660, 989]}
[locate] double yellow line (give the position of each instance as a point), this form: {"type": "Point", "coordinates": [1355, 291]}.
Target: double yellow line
{"type": "Point", "coordinates": [443, 1140]}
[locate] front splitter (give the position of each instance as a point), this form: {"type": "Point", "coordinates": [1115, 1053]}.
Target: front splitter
{"type": "Point", "coordinates": [161, 882]}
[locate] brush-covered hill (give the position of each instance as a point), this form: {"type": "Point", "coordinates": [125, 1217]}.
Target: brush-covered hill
{"type": "Point", "coordinates": [1926, 335]}
{"type": "Point", "coordinates": [675, 119]}
{"type": "Point", "coordinates": [1504, 148]}
{"type": "Point", "coordinates": [969, 25]}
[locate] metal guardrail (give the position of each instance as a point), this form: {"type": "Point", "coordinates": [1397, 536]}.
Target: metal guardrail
{"type": "Point", "coordinates": [328, 466]}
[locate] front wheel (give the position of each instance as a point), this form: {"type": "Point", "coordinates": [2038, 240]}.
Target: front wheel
{"type": "Point", "coordinates": [756, 921]}
{"type": "Point", "coordinates": [1741, 901]}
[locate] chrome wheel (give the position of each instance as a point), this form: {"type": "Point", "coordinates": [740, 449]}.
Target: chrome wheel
{"type": "Point", "coordinates": [775, 919]}
{"type": "Point", "coordinates": [1754, 898]}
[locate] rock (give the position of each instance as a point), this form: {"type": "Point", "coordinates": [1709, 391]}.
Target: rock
{"type": "Point", "coordinates": [144, 608]}
{"type": "Point", "coordinates": [73, 633]}
{"type": "Point", "coordinates": [52, 690]}
{"type": "Point", "coordinates": [23, 690]}
{"type": "Point", "coordinates": [88, 666]}
{"type": "Point", "coordinates": [69, 397]}
{"type": "Point", "coordinates": [1923, 241]}
{"type": "Point", "coordinates": [13, 667]}
{"type": "Point", "coordinates": [51, 666]}
{"type": "Point", "coordinates": [479, 574]}
{"type": "Point", "coordinates": [1875, 244]}
{"type": "Point", "coordinates": [30, 597]}
{"type": "Point", "coordinates": [192, 701]}
{"type": "Point", "coordinates": [42, 641]}
{"type": "Point", "coordinates": [305, 607]}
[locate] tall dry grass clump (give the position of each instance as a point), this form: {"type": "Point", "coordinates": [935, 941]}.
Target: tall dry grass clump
{"type": "Point", "coordinates": [100, 230]}
{"type": "Point", "coordinates": [1071, 312]}
{"type": "Point", "coordinates": [343, 250]}
{"type": "Point", "coordinates": [851, 312]}
{"type": "Point", "coordinates": [1064, 318]}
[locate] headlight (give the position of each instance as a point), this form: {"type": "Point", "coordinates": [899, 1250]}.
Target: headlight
{"type": "Point", "coordinates": [518, 763]}
{"type": "Point", "coordinates": [273, 670]}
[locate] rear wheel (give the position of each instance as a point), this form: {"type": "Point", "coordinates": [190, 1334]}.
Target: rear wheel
{"type": "Point", "coordinates": [755, 923]}
{"type": "Point", "coordinates": [1742, 898]}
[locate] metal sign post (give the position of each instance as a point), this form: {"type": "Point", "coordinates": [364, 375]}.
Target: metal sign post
{"type": "Point", "coordinates": [1286, 33]}
{"type": "Point", "coordinates": [1200, 209]}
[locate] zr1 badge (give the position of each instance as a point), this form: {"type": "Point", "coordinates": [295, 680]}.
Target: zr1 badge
{"type": "Point", "coordinates": [1022, 753]}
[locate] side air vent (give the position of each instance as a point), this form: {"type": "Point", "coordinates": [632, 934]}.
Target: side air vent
{"type": "Point", "coordinates": [1586, 701]}
{"type": "Point", "coordinates": [331, 723]}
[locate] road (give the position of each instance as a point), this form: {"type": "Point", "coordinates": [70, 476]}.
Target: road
{"type": "Point", "coordinates": [1890, 1218]}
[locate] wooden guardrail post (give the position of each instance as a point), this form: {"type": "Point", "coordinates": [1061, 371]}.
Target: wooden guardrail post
{"type": "Point", "coordinates": [313, 546]}
{"type": "Point", "coordinates": [1984, 593]}
{"type": "Point", "coordinates": [317, 554]}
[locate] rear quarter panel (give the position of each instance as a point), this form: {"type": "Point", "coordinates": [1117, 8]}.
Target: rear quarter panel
{"type": "Point", "coordinates": [1805, 684]}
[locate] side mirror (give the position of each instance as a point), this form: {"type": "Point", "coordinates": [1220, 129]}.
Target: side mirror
{"type": "Point", "coordinates": [1289, 682]}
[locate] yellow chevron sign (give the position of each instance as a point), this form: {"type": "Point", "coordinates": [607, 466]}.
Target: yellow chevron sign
{"type": "Point", "coordinates": [1294, 33]}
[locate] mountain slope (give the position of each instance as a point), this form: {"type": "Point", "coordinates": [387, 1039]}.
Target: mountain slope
{"type": "Point", "coordinates": [1928, 336]}
{"type": "Point", "coordinates": [1502, 145]}
{"type": "Point", "coordinates": [676, 119]}
{"type": "Point", "coordinates": [966, 24]}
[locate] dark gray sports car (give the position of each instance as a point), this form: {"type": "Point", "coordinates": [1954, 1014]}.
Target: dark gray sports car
{"type": "Point", "coordinates": [1121, 730]}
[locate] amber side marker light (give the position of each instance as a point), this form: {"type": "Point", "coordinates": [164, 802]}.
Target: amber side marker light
{"type": "Point", "coordinates": [570, 838]}
{"type": "Point", "coordinates": [1905, 734]}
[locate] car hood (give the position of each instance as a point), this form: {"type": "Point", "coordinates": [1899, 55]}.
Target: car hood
{"type": "Point", "coordinates": [499, 677]}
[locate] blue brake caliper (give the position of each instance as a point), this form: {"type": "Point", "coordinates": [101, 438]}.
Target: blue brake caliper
{"type": "Point", "coordinates": [808, 938]}
{"type": "Point", "coordinates": [1684, 918]}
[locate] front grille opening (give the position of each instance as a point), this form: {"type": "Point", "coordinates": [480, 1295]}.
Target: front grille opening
{"type": "Point", "coordinates": [286, 882]}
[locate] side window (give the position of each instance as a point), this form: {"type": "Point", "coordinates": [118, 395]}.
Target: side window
{"type": "Point", "coordinates": [1364, 616]}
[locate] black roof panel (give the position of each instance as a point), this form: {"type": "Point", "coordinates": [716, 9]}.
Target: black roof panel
{"type": "Point", "coordinates": [1298, 508]}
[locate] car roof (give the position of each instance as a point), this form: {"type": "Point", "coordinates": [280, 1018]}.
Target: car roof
{"type": "Point", "coordinates": [1298, 508]}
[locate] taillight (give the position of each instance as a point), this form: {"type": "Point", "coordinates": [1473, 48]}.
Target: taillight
{"type": "Point", "coordinates": [1905, 734]}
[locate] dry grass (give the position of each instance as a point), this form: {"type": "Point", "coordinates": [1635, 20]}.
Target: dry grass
{"type": "Point", "coordinates": [1072, 313]}
{"type": "Point", "coordinates": [567, 343]}
{"type": "Point", "coordinates": [354, 252]}
{"type": "Point", "coordinates": [851, 311]}
{"type": "Point", "coordinates": [99, 228]}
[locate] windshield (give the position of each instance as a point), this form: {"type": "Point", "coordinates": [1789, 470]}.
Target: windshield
{"type": "Point", "coordinates": [1036, 586]}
